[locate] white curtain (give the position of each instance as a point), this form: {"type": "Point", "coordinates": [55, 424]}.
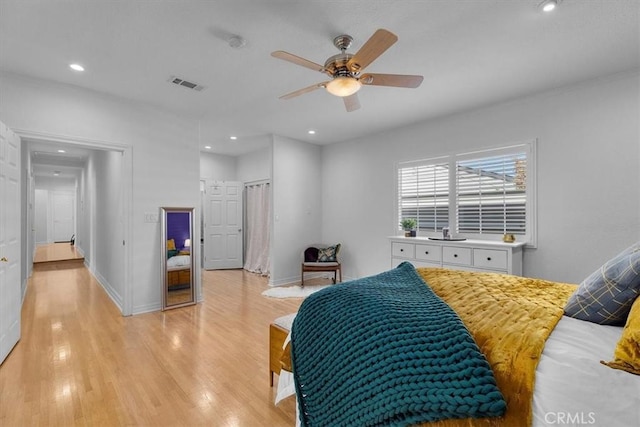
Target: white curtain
{"type": "Point", "coordinates": [258, 228]}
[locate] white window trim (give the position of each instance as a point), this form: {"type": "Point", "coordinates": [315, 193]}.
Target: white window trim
{"type": "Point", "coordinates": [532, 193]}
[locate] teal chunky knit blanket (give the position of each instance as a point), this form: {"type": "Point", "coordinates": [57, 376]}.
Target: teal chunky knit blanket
{"type": "Point", "coordinates": [386, 350]}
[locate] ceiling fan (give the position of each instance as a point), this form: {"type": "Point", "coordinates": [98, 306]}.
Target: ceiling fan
{"type": "Point", "coordinates": [346, 69]}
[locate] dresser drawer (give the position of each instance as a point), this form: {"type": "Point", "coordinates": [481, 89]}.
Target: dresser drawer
{"type": "Point", "coordinates": [429, 253]}
{"type": "Point", "coordinates": [403, 250]}
{"type": "Point", "coordinates": [456, 255]}
{"type": "Point", "coordinates": [490, 258]}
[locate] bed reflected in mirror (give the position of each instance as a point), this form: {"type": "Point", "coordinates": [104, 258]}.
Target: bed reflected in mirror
{"type": "Point", "coordinates": [177, 262]}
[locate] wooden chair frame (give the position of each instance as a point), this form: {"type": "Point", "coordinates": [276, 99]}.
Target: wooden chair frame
{"type": "Point", "coordinates": [336, 269]}
{"type": "Point", "coordinates": [308, 267]}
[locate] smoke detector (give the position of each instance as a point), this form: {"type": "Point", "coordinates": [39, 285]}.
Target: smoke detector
{"type": "Point", "coordinates": [236, 42]}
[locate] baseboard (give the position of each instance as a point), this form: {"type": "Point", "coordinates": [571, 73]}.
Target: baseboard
{"type": "Point", "coordinates": [115, 297]}
{"type": "Point", "coordinates": [291, 281]}
{"type": "Point", "coordinates": [147, 308]}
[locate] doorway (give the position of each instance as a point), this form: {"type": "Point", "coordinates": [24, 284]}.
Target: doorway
{"type": "Point", "coordinates": [54, 215]}
{"type": "Point", "coordinates": [77, 213]}
{"type": "Point", "coordinates": [62, 216]}
{"type": "Point", "coordinates": [258, 227]}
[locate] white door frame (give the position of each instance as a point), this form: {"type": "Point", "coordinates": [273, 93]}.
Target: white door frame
{"type": "Point", "coordinates": [127, 193]}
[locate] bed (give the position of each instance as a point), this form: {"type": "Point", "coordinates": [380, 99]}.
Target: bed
{"type": "Point", "coordinates": [179, 271]}
{"type": "Point", "coordinates": [546, 366]}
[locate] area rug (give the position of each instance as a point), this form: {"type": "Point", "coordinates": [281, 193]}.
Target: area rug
{"type": "Point", "coordinates": [292, 291]}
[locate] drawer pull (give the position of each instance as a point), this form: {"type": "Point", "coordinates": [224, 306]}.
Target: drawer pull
{"type": "Point", "coordinates": [455, 255]}
{"type": "Point", "coordinates": [426, 252]}
{"type": "Point", "coordinates": [488, 258]}
{"type": "Point", "coordinates": [401, 250]}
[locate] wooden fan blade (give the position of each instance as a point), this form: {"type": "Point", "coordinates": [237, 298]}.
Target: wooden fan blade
{"type": "Point", "coordinates": [395, 80]}
{"type": "Point", "coordinates": [351, 102]}
{"type": "Point", "coordinates": [304, 90]}
{"type": "Point", "coordinates": [280, 54]}
{"type": "Point", "coordinates": [377, 44]}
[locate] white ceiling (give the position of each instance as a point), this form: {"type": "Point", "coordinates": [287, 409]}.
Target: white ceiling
{"type": "Point", "coordinates": [470, 52]}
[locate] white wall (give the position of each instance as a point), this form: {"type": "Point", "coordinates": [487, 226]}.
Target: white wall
{"type": "Point", "coordinates": [588, 175]}
{"type": "Point", "coordinates": [55, 183]}
{"type": "Point", "coordinates": [27, 216]}
{"type": "Point", "coordinates": [297, 207]}
{"type": "Point", "coordinates": [109, 213]}
{"type": "Point", "coordinates": [82, 220]}
{"type": "Point", "coordinates": [217, 167]}
{"type": "Point", "coordinates": [255, 166]}
{"type": "Point", "coordinates": [164, 157]}
{"type": "Point", "coordinates": [87, 241]}
{"type": "Point", "coordinates": [41, 207]}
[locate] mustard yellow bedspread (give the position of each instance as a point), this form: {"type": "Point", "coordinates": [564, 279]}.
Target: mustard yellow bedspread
{"type": "Point", "coordinates": [510, 319]}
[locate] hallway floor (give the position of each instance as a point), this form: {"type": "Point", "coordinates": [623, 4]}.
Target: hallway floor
{"type": "Point", "coordinates": [56, 255]}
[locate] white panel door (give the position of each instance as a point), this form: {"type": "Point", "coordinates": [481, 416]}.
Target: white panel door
{"type": "Point", "coordinates": [10, 225]}
{"type": "Point", "coordinates": [62, 209]}
{"type": "Point", "coordinates": [223, 225]}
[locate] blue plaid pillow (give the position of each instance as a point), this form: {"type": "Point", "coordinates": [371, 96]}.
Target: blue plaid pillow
{"type": "Point", "coordinates": [606, 296]}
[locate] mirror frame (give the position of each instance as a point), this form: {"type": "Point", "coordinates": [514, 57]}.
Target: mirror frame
{"type": "Point", "coordinates": [164, 213]}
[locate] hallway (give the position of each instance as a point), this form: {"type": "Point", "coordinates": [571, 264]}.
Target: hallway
{"type": "Point", "coordinates": [80, 362]}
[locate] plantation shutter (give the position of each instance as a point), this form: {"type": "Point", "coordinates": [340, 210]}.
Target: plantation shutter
{"type": "Point", "coordinates": [491, 196]}
{"type": "Point", "coordinates": [423, 194]}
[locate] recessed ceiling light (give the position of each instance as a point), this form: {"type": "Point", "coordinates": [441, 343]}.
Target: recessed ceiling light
{"type": "Point", "coordinates": [61, 151]}
{"type": "Point", "coordinates": [311, 132]}
{"type": "Point", "coordinates": [76, 67]}
{"type": "Point", "coordinates": [208, 147]}
{"type": "Point", "coordinates": [549, 5]}
{"type": "Point", "coordinates": [233, 137]}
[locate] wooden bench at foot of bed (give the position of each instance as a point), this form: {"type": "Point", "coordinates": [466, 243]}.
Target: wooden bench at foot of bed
{"type": "Point", "coordinates": [278, 331]}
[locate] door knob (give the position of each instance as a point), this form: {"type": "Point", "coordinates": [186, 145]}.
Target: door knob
{"type": "Point", "coordinates": [4, 259]}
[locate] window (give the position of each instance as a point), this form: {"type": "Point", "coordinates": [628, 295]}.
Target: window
{"type": "Point", "coordinates": [424, 195]}
{"type": "Point", "coordinates": [477, 194]}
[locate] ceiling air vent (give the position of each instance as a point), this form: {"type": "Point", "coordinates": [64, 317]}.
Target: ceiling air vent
{"type": "Point", "coordinates": [184, 83]}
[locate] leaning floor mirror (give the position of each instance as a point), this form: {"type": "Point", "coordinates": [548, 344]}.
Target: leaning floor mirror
{"type": "Point", "coordinates": [177, 260]}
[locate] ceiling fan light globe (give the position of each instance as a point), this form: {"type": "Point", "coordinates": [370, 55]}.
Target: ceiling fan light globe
{"type": "Point", "coordinates": [343, 86]}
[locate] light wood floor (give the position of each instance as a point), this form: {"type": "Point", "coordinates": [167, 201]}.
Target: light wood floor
{"type": "Point", "coordinates": [79, 362]}
{"type": "Point", "coordinates": [56, 252]}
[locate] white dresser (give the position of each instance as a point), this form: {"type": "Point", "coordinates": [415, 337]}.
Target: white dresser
{"type": "Point", "coordinates": [474, 255]}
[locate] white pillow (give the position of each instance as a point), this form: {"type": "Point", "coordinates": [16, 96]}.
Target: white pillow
{"type": "Point", "coordinates": [179, 261]}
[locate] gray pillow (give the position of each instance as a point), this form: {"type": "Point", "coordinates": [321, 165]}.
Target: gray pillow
{"type": "Point", "coordinates": [606, 296]}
